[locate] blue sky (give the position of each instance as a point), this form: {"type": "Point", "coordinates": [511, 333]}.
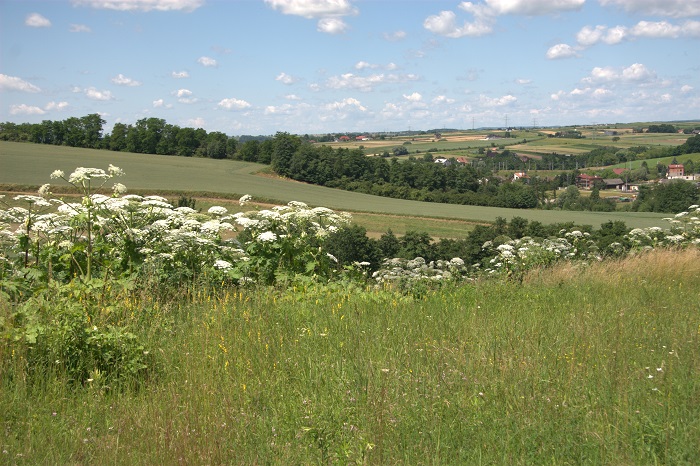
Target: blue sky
{"type": "Point", "coordinates": [318, 66]}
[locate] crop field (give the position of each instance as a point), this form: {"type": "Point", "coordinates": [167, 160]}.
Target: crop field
{"type": "Point", "coordinates": [695, 158]}
{"type": "Point", "coordinates": [458, 143]}
{"type": "Point", "coordinates": [31, 165]}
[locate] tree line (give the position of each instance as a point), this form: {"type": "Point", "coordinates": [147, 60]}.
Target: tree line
{"type": "Point", "coordinates": [146, 136]}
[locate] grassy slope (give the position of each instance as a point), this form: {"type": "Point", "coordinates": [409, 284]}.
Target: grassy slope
{"type": "Point", "coordinates": [576, 366]}
{"type": "Point", "coordinates": [32, 163]}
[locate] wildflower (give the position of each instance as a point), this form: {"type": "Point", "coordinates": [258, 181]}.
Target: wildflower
{"type": "Point", "coordinates": [82, 174]}
{"type": "Point", "coordinates": [245, 199]}
{"type": "Point", "coordinates": [57, 174]}
{"type": "Point", "coordinates": [115, 171]}
{"type": "Point", "coordinates": [119, 189]}
{"type": "Point", "coordinates": [45, 190]}
{"type": "Point", "coordinates": [267, 236]}
{"type": "Point", "coordinates": [222, 265]}
{"type": "Point", "coordinates": [217, 210]}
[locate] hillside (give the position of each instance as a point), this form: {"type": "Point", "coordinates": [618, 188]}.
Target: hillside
{"type": "Point", "coordinates": [31, 164]}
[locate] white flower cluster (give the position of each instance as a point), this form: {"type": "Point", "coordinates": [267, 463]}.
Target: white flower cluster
{"type": "Point", "coordinates": [516, 256]}
{"type": "Point", "coordinates": [685, 229]}
{"type": "Point", "coordinates": [130, 229]}
{"type": "Point", "coordinates": [414, 270]}
{"type": "Point", "coordinates": [294, 222]}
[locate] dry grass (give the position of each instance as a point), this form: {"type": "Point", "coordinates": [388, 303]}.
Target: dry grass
{"type": "Point", "coordinates": [656, 265]}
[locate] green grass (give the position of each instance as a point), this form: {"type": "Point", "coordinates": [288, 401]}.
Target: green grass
{"type": "Point", "coordinates": [31, 164]}
{"type": "Point", "coordinates": [651, 163]}
{"type": "Point", "coordinates": [578, 365]}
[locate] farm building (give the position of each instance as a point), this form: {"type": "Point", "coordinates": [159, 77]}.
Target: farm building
{"type": "Point", "coordinates": [614, 183]}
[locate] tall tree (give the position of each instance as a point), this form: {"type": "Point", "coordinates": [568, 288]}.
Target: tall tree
{"type": "Point", "coordinates": [285, 145]}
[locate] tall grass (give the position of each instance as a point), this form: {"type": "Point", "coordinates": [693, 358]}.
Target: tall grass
{"type": "Point", "coordinates": [578, 365]}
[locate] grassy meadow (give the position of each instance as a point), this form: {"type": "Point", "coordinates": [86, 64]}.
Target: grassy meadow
{"type": "Point", "coordinates": [576, 365]}
{"type": "Point", "coordinates": [29, 165]}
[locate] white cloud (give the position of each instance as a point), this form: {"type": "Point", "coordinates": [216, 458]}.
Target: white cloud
{"type": "Point", "coordinates": [497, 102]}
{"type": "Point", "coordinates": [184, 96]}
{"type": "Point", "coordinates": [670, 8]}
{"type": "Point", "coordinates": [635, 73]}
{"type": "Point", "coordinates": [441, 99]}
{"type": "Point", "coordinates": [328, 12]}
{"type": "Point", "coordinates": [23, 109]}
{"type": "Point", "coordinates": [342, 104]}
{"type": "Point", "coordinates": [35, 20]}
{"type": "Point", "coordinates": [361, 65]}
{"type": "Point", "coordinates": [207, 61]}
{"type": "Point", "coordinates": [395, 36]}
{"type": "Point", "coordinates": [122, 80]}
{"type": "Point", "coordinates": [686, 88]}
{"type": "Point", "coordinates": [557, 95]}
{"type": "Point", "coordinates": [313, 8]}
{"type": "Point", "coordinates": [13, 83]}
{"type": "Point", "coordinates": [601, 93]}
{"type": "Point", "coordinates": [561, 51]}
{"type": "Point", "coordinates": [523, 81]}
{"type": "Point", "coordinates": [94, 94]}
{"type": "Point", "coordinates": [158, 103]}
{"type": "Point", "coordinates": [79, 28]}
{"type": "Point", "coordinates": [589, 36]}
{"type": "Point", "coordinates": [445, 24]}
{"type": "Point", "coordinates": [180, 74]}
{"type": "Point", "coordinates": [533, 7]}
{"type": "Point", "coordinates": [284, 78]}
{"type": "Point", "coordinates": [273, 110]}
{"type": "Point", "coordinates": [195, 122]}
{"type": "Point", "coordinates": [332, 26]}
{"type": "Point", "coordinates": [660, 29]}
{"type": "Point", "coordinates": [233, 104]}
{"type": "Point", "coordinates": [415, 97]}
{"type": "Point", "coordinates": [292, 97]}
{"type": "Point", "coordinates": [141, 5]}
{"type": "Point", "coordinates": [638, 72]}
{"type": "Point", "coordinates": [366, 83]}
{"type": "Point", "coordinates": [56, 106]}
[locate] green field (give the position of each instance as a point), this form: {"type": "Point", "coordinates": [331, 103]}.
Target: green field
{"type": "Point", "coordinates": [31, 164]}
{"type": "Point", "coordinates": [663, 160]}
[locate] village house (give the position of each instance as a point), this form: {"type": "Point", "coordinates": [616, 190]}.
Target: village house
{"type": "Point", "coordinates": [585, 181]}
{"type": "Point", "coordinates": [521, 176]}
{"type": "Point", "coordinates": [675, 170]}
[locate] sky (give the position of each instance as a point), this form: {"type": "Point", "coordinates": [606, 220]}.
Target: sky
{"type": "Point", "coordinates": [256, 67]}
